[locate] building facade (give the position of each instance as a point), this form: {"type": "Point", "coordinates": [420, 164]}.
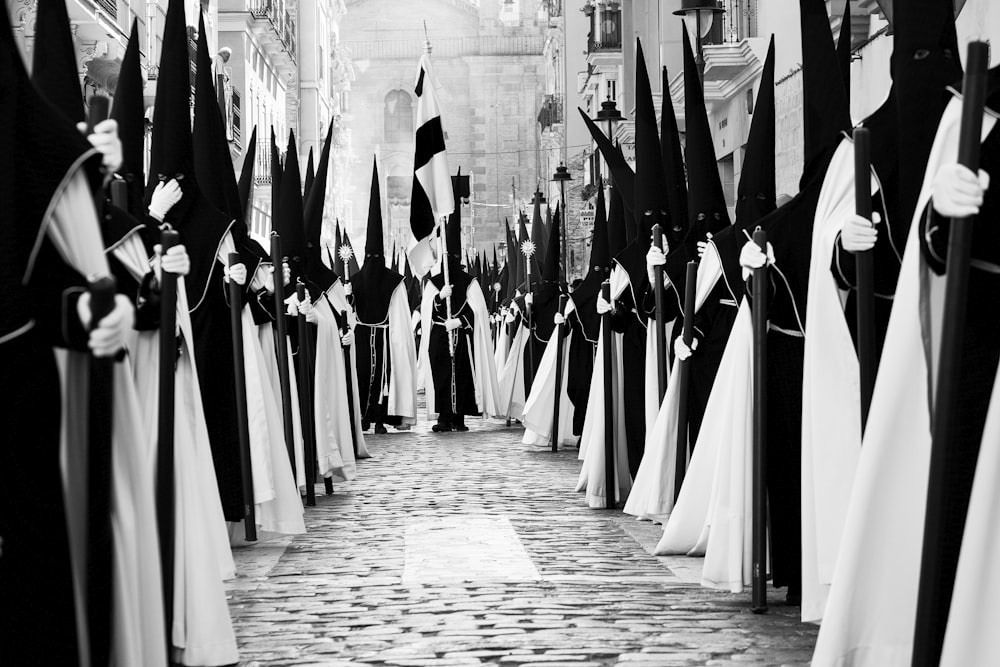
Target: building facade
{"type": "Point", "coordinates": [488, 59]}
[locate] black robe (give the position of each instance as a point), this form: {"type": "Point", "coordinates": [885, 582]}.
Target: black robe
{"type": "Point", "coordinates": [372, 290]}
{"type": "Point", "coordinates": [585, 328]}
{"type": "Point", "coordinates": [463, 381]}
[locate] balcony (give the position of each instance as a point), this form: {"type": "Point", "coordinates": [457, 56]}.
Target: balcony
{"type": "Point", "coordinates": [110, 6]}
{"type": "Point", "coordinates": [551, 112]}
{"type": "Point", "coordinates": [605, 30]}
{"type": "Point", "coordinates": [274, 27]}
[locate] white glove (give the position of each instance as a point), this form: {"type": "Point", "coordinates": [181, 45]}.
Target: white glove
{"type": "Point", "coordinates": [452, 324]}
{"type": "Point", "coordinates": [306, 308]}
{"type": "Point", "coordinates": [681, 350]}
{"type": "Point", "coordinates": [286, 274]}
{"type": "Point", "coordinates": [529, 299]}
{"type": "Point", "coordinates": [957, 192]}
{"type": "Point", "coordinates": [105, 140]}
{"type": "Point", "coordinates": [859, 234]}
{"type": "Point", "coordinates": [347, 338]}
{"type": "Point", "coordinates": [558, 319]}
{"type": "Point", "coordinates": [654, 258]}
{"type": "Point", "coordinates": [752, 258]}
{"type": "Point", "coordinates": [702, 247]}
{"type": "Point", "coordinates": [445, 292]}
{"type": "Point", "coordinates": [510, 317]}
{"type": "Point", "coordinates": [265, 276]}
{"type": "Point", "coordinates": [108, 337]}
{"type": "Point", "coordinates": [236, 272]}
{"type": "Point", "coordinates": [292, 305]}
{"type": "Point", "coordinates": [164, 197]}
{"type": "Point", "coordinates": [348, 290]}
{"type": "Point", "coordinates": [604, 306]}
{"type": "Point", "coordinates": [175, 261]}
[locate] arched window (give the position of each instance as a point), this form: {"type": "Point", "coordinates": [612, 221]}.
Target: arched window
{"type": "Point", "coordinates": [398, 117]}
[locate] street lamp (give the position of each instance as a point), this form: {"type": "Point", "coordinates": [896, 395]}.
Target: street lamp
{"type": "Point", "coordinates": [698, 16]}
{"type": "Point", "coordinates": [609, 113]}
{"type": "Point", "coordinates": [560, 177]}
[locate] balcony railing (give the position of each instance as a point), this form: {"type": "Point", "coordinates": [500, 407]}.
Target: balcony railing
{"type": "Point", "coordinates": [110, 6]}
{"type": "Point", "coordinates": [605, 31]}
{"type": "Point", "coordinates": [274, 12]}
{"type": "Point", "coordinates": [607, 44]}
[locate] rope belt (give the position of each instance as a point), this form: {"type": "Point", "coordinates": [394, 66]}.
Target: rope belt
{"type": "Point", "coordinates": [374, 353]}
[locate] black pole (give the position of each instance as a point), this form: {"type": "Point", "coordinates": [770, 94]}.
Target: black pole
{"type": "Point", "coordinates": [659, 336]}
{"type": "Point", "coordinates": [610, 479]}
{"type": "Point", "coordinates": [348, 365]}
{"type": "Point", "coordinates": [246, 469]}
{"type": "Point", "coordinates": [684, 380]}
{"type": "Point", "coordinates": [100, 545]}
{"type": "Point", "coordinates": [759, 490]}
{"type": "Point", "coordinates": [865, 268]}
{"type": "Point", "coordinates": [165, 433]}
{"type": "Point", "coordinates": [934, 594]}
{"type": "Point", "coordinates": [306, 399]}
{"type": "Point", "coordinates": [281, 348]}
{"type": "Point", "coordinates": [558, 331]}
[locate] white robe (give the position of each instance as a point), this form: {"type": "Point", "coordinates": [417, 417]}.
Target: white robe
{"type": "Point", "coordinates": [871, 609]}
{"type": "Point", "coordinates": [511, 382]}
{"type": "Point", "coordinates": [537, 415]}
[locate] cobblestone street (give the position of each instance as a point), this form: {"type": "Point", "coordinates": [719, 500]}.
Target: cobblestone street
{"type": "Point", "coordinates": [470, 549]}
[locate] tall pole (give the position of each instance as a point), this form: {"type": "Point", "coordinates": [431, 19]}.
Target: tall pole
{"type": "Point", "coordinates": [684, 380]}
{"type": "Point", "coordinates": [281, 348]}
{"type": "Point", "coordinates": [557, 400]}
{"type": "Point", "coordinates": [759, 466]}
{"type": "Point", "coordinates": [610, 478]}
{"type": "Point", "coordinates": [659, 336]}
{"type": "Point", "coordinates": [242, 425]}
{"type": "Point", "coordinates": [867, 353]}
{"type": "Point", "coordinates": [306, 399]}
{"type": "Point", "coordinates": [447, 303]}
{"type": "Point", "coordinates": [936, 570]}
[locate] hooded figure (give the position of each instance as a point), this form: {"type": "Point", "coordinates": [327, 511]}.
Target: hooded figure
{"type": "Point", "coordinates": [456, 350]}
{"type": "Point", "coordinates": [386, 356]}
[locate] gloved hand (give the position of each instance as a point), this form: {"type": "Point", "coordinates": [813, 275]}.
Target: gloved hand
{"type": "Point", "coordinates": [510, 317]}
{"type": "Point", "coordinates": [858, 234]}
{"type": "Point", "coordinates": [264, 278]}
{"type": "Point", "coordinates": [654, 258]}
{"type": "Point", "coordinates": [175, 261]}
{"type": "Point", "coordinates": [347, 338]}
{"type": "Point", "coordinates": [681, 350]}
{"type": "Point", "coordinates": [108, 337]}
{"type": "Point", "coordinates": [452, 324]}
{"type": "Point", "coordinates": [751, 257]}
{"type": "Point", "coordinates": [604, 306]}
{"type": "Point", "coordinates": [445, 292]}
{"type": "Point", "coordinates": [558, 319]}
{"type": "Point", "coordinates": [703, 245]}
{"type": "Point", "coordinates": [292, 305]}
{"type": "Point", "coordinates": [957, 192]}
{"type": "Point", "coordinates": [306, 308]}
{"type": "Point", "coordinates": [105, 140]}
{"type": "Point", "coordinates": [286, 273]}
{"type": "Point", "coordinates": [166, 194]}
{"type": "Point", "coordinates": [348, 290]}
{"type": "Point", "coordinates": [529, 298]}
{"type": "Point", "coordinates": [236, 272]}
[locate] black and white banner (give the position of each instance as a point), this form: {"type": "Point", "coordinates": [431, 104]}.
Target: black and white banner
{"type": "Point", "coordinates": [432, 198]}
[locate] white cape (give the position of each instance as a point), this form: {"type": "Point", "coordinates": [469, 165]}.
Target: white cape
{"type": "Point", "coordinates": [537, 417]}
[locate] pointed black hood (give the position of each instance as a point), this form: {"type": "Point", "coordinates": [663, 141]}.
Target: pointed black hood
{"type": "Point", "coordinates": [756, 194]}
{"type": "Point", "coordinates": [289, 212]}
{"type": "Point", "coordinates": [617, 236]}
{"type": "Point", "coordinates": [453, 229]}
{"type": "Point", "coordinates": [826, 107]}
{"type": "Point", "coordinates": [844, 50]}
{"type": "Point", "coordinates": [318, 273]}
{"type": "Point", "coordinates": [511, 263]}
{"type": "Point", "coordinates": [275, 173]}
{"type": "Point", "coordinates": [621, 173]}
{"type": "Point", "coordinates": [706, 201]}
{"type": "Point", "coordinates": [522, 264]}
{"type": "Point", "coordinates": [374, 242]}
{"type": "Point", "coordinates": [650, 178]}
{"type": "Point", "coordinates": [538, 237]}
{"type": "Point", "coordinates": [213, 165]}
{"type": "Point", "coordinates": [351, 264]}
{"type": "Point", "coordinates": [245, 185]}
{"type": "Point", "coordinates": [925, 59]}
{"type": "Point", "coordinates": [551, 273]}
{"type": "Point", "coordinates": [585, 294]}
{"type": "Point", "coordinates": [172, 152]}
{"type": "Point", "coordinates": [128, 111]}
{"type": "Point", "coordinates": [336, 261]}
{"type": "Point", "coordinates": [673, 168]}
{"type": "Point", "coordinates": [54, 69]}
{"type": "Point", "coordinates": [310, 175]}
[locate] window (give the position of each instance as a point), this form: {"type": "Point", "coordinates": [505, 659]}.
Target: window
{"type": "Point", "coordinates": [613, 90]}
{"type": "Point", "coordinates": [398, 117]}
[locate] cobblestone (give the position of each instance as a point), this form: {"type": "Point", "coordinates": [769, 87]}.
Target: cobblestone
{"type": "Point", "coordinates": [469, 549]}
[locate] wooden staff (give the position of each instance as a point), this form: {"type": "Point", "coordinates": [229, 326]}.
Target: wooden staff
{"type": "Point", "coordinates": [447, 304]}
{"type": "Point", "coordinates": [559, 372]}
{"type": "Point", "coordinates": [610, 479]}
{"type": "Point", "coordinates": [929, 631]}
{"type": "Point", "coordinates": [660, 335]}
{"type": "Point", "coordinates": [684, 380]}
{"type": "Point", "coordinates": [100, 542]}
{"type": "Point", "coordinates": [246, 470]}
{"type": "Point", "coordinates": [165, 511]}
{"type": "Point", "coordinates": [306, 399]}
{"type": "Point", "coordinates": [100, 423]}
{"type": "Point", "coordinates": [281, 347]}
{"type": "Point", "coordinates": [759, 489]}
{"type": "Point", "coordinates": [865, 270]}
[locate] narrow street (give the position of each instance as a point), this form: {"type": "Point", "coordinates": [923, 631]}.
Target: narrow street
{"type": "Point", "coordinates": [470, 549]}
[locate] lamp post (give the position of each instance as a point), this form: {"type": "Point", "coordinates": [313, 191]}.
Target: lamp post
{"type": "Point", "coordinates": [698, 16]}
{"type": "Point", "coordinates": [609, 114]}
{"type": "Point", "coordinates": [560, 177]}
